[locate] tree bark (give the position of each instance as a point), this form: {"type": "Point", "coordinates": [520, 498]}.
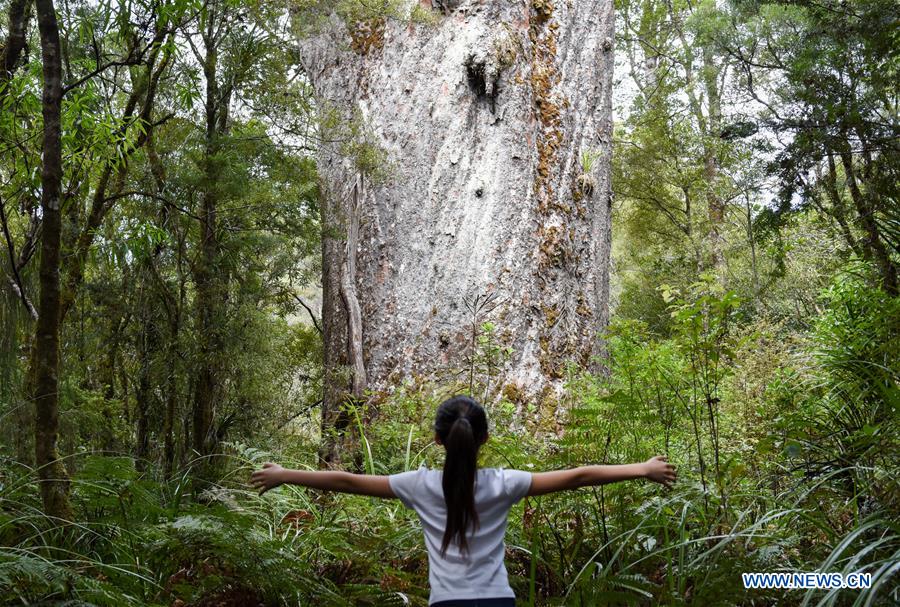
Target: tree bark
{"type": "Point", "coordinates": [335, 335]}
{"type": "Point", "coordinates": [715, 204]}
{"type": "Point", "coordinates": [837, 210]}
{"type": "Point", "coordinates": [350, 296]}
{"type": "Point", "coordinates": [171, 394]}
{"type": "Point", "coordinates": [19, 15]}
{"type": "Point", "coordinates": [483, 118]}
{"type": "Point", "coordinates": [44, 374]}
{"type": "Point", "coordinates": [705, 102]}
{"type": "Point", "coordinates": [865, 209]}
{"type": "Point", "coordinates": [210, 285]}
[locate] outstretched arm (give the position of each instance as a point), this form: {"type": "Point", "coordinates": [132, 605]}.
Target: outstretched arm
{"type": "Point", "coordinates": [273, 475]}
{"type": "Point", "coordinates": [656, 469]}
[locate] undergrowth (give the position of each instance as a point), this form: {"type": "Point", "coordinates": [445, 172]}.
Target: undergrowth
{"type": "Point", "coordinates": [786, 450]}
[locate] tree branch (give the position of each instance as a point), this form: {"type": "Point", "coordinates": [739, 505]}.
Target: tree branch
{"type": "Point", "coordinates": [312, 316]}
{"type": "Point", "coordinates": [16, 279]}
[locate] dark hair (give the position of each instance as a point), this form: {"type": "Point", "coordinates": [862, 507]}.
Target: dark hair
{"type": "Point", "coordinates": [461, 424]}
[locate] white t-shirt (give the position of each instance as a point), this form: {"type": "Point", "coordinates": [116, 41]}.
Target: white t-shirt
{"type": "Point", "coordinates": [481, 574]}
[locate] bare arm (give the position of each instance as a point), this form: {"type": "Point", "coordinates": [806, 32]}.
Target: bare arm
{"type": "Point", "coordinates": [655, 469]}
{"type": "Point", "coordinates": [273, 475]}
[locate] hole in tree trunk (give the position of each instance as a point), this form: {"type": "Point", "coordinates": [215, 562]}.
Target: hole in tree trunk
{"type": "Point", "coordinates": [475, 72]}
{"type": "Point", "coordinates": [480, 82]}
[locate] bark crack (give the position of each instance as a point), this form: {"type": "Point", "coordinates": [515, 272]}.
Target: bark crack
{"type": "Point", "coordinates": [348, 292]}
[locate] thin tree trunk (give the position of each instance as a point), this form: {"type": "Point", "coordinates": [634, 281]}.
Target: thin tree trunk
{"type": "Point", "coordinates": [171, 396]}
{"type": "Point", "coordinates": [838, 210]}
{"type": "Point", "coordinates": [209, 283]}
{"type": "Point", "coordinates": [207, 318]}
{"type": "Point", "coordinates": [715, 204]}
{"type": "Point", "coordinates": [751, 239]}
{"type": "Point", "coordinates": [709, 123]}
{"type": "Point", "coordinates": [873, 243]}
{"type": "Point", "coordinates": [19, 15]}
{"type": "Point", "coordinates": [44, 373]}
{"type": "Point", "coordinates": [148, 347]}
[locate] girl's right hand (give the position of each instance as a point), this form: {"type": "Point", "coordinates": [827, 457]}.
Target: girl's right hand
{"type": "Point", "coordinates": [267, 478]}
{"type": "Point", "coordinates": [658, 470]}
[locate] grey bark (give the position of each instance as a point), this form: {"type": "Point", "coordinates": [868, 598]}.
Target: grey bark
{"type": "Point", "coordinates": [350, 295]}
{"type": "Point", "coordinates": [483, 118]}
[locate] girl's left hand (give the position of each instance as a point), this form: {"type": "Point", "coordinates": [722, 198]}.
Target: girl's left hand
{"type": "Point", "coordinates": [267, 478]}
{"type": "Point", "coordinates": [660, 471]}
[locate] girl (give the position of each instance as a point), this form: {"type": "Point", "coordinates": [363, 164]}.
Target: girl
{"type": "Point", "coordinates": [463, 509]}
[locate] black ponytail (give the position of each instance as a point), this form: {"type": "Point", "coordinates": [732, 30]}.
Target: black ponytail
{"type": "Point", "coordinates": [461, 424]}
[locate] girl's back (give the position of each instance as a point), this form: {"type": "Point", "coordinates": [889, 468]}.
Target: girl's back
{"type": "Point", "coordinates": [464, 508]}
{"type": "Point", "coordinates": [479, 573]}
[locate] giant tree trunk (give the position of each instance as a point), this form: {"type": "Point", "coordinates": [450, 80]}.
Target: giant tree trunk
{"type": "Point", "coordinates": [484, 118]}
{"type": "Point", "coordinates": [44, 371]}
